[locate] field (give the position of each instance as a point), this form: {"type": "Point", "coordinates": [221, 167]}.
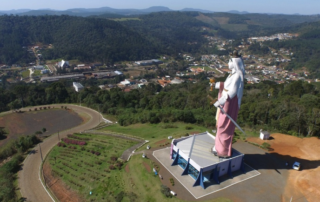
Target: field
{"type": "Point", "coordinates": [83, 171]}
{"type": "Point", "coordinates": [25, 74]}
{"type": "Point", "coordinates": [157, 134]}
{"type": "Point", "coordinates": [93, 167]}
{"type": "Point", "coordinates": [27, 123]}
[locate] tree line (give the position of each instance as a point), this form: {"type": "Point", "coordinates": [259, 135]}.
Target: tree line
{"type": "Point", "coordinates": [291, 108]}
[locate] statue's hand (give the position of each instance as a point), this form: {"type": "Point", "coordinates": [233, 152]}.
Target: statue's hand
{"type": "Point", "coordinates": [217, 104]}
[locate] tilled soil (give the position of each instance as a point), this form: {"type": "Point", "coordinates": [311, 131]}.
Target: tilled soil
{"type": "Point", "coordinates": [59, 189]}
{"type": "Point", "coordinates": [27, 123]}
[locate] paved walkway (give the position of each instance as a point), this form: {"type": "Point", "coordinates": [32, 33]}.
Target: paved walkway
{"type": "Point", "coordinates": [266, 187]}
{"type": "Point", "coordinates": [187, 181]}
{"type": "Point", "coordinates": [29, 177]}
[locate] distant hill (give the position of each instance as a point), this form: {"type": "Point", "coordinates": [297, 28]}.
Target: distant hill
{"type": "Point", "coordinates": [253, 23]}
{"type": "Point", "coordinates": [197, 10]}
{"type": "Point", "coordinates": [97, 39]}
{"type": "Point", "coordinates": [238, 12]}
{"type": "Point", "coordinates": [92, 11]}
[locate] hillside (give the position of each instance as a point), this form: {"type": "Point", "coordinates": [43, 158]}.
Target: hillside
{"type": "Point", "coordinates": [99, 39]}
{"type": "Point", "coordinates": [254, 23]}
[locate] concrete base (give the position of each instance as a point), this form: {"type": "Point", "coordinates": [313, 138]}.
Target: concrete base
{"type": "Point", "coordinates": [187, 181]}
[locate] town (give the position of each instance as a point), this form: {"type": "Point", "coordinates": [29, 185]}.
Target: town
{"type": "Point", "coordinates": [165, 70]}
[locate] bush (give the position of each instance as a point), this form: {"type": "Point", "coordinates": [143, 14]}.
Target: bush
{"type": "Point", "coordinates": [189, 127]}
{"type": "Point", "coordinates": [166, 191]}
{"type": "Point", "coordinates": [266, 146]}
{"type": "Point", "coordinates": [111, 167]}
{"type": "Point", "coordinates": [76, 142]}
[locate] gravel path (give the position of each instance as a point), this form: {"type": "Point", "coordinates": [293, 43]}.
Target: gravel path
{"type": "Point", "coordinates": [29, 180]}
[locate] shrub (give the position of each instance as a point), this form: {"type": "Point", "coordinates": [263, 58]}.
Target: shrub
{"type": "Point", "coordinates": [111, 167]}
{"type": "Point", "coordinates": [166, 191]}
{"type": "Point", "coordinates": [266, 145]}
{"type": "Point", "coordinates": [189, 127]}
{"type": "Point", "coordinates": [60, 144]}
{"type": "Point", "coordinates": [113, 158]}
{"type": "Point", "coordinates": [76, 142]}
{"type": "Point", "coordinates": [97, 153]}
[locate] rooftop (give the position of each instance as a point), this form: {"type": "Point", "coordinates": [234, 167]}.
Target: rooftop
{"type": "Point", "coordinates": [198, 148]}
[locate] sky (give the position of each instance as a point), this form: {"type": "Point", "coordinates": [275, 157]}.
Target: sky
{"type": "Point", "coordinates": [253, 6]}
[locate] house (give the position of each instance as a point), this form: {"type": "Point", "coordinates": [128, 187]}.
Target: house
{"type": "Point", "coordinates": [163, 83]}
{"type": "Point", "coordinates": [264, 135]}
{"type": "Point", "coordinates": [77, 86]}
{"type": "Point", "coordinates": [193, 155]}
{"type": "Point", "coordinates": [118, 72]}
{"type": "Point", "coordinates": [44, 71]}
{"type": "Point", "coordinates": [176, 80]}
{"type": "Point", "coordinates": [63, 64]}
{"type": "Point", "coordinates": [39, 67]}
{"type": "Point", "coordinates": [82, 67]}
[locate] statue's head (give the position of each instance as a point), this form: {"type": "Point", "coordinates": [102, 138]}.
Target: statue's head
{"type": "Point", "coordinates": [235, 54]}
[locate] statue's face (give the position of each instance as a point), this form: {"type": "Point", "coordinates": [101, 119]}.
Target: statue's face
{"type": "Point", "coordinates": [231, 67]}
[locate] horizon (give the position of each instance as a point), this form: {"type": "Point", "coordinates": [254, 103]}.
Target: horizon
{"type": "Point", "coordinates": [251, 6]}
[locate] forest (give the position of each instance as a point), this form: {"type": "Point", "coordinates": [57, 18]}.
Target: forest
{"type": "Point", "coordinates": [292, 108]}
{"type": "Point", "coordinates": [96, 39]}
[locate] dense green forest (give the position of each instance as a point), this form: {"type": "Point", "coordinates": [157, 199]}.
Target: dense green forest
{"type": "Point", "coordinates": [171, 29]}
{"type": "Point", "coordinates": [97, 39]}
{"type": "Point", "coordinates": [292, 108]}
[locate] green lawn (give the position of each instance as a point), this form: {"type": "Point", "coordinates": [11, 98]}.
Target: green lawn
{"type": "Point", "coordinates": [25, 74]}
{"type": "Point", "coordinates": [156, 132]}
{"type": "Point", "coordinates": [145, 185]}
{"type": "Point", "coordinates": [36, 73]}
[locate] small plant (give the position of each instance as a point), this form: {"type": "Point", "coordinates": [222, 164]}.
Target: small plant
{"type": "Point", "coordinates": [38, 132]}
{"type": "Point", "coordinates": [166, 191]}
{"type": "Point", "coordinates": [188, 127]}
{"type": "Point", "coordinates": [172, 181]}
{"type": "Point", "coordinates": [265, 146]}
{"type": "Point", "coordinates": [44, 129]}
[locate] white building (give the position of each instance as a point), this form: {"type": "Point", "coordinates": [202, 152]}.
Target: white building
{"type": "Point", "coordinates": [193, 155]}
{"type": "Point", "coordinates": [77, 86]}
{"type": "Point", "coordinates": [63, 64]}
{"type": "Point", "coordinates": [264, 135]}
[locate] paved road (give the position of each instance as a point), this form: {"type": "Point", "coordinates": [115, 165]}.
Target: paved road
{"type": "Point", "coordinates": [29, 183]}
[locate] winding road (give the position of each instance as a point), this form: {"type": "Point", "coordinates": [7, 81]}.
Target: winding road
{"type": "Point", "coordinates": [29, 176]}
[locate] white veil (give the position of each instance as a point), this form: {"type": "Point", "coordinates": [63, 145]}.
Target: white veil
{"type": "Point", "coordinates": [239, 68]}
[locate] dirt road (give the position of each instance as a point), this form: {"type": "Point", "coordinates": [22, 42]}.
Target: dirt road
{"type": "Point", "coordinates": [29, 180]}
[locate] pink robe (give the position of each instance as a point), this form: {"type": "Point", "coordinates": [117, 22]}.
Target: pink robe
{"type": "Point", "coordinates": [225, 127]}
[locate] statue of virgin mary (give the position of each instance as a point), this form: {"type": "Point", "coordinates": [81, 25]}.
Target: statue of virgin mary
{"type": "Point", "coordinates": [229, 97]}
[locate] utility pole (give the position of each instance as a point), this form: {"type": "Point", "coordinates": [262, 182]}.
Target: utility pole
{"type": "Point", "coordinates": [40, 153]}
{"type": "Point", "coordinates": [99, 113]}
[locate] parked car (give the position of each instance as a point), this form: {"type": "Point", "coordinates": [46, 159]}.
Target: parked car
{"type": "Point", "coordinates": [296, 165]}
